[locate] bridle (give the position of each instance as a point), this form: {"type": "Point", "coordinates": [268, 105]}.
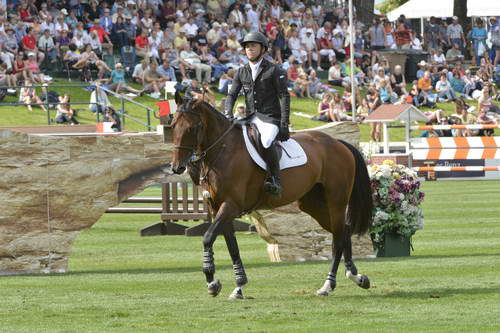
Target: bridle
{"type": "Point", "coordinates": [198, 157]}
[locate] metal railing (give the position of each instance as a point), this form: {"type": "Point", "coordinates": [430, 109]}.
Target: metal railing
{"type": "Point", "coordinates": [122, 108]}
{"type": "Point", "coordinates": [48, 104]}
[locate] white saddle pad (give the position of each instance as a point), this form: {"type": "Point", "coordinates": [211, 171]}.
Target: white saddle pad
{"type": "Point", "coordinates": [293, 155]}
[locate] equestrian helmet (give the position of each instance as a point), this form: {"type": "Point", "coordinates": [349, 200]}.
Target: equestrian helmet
{"type": "Point", "coordinates": [255, 37]}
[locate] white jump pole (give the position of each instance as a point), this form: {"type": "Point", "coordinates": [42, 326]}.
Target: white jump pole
{"type": "Point", "coordinates": [351, 46]}
{"type": "Point", "coordinates": [386, 138]}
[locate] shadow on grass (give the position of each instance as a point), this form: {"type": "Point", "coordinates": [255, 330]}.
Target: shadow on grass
{"type": "Point", "coordinates": [429, 256]}
{"type": "Point", "coordinates": [430, 293]}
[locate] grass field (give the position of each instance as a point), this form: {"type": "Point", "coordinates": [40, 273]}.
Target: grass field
{"type": "Point", "coordinates": [120, 282]}
{"type": "Point", "coordinates": [19, 115]}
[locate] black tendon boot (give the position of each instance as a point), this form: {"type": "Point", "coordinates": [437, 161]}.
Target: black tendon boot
{"type": "Point", "coordinates": [272, 184]}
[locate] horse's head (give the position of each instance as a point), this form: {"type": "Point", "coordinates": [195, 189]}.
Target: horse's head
{"type": "Point", "coordinates": [187, 131]}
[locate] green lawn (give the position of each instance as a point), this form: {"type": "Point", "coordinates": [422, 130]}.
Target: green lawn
{"type": "Point", "coordinates": [17, 116]}
{"type": "Point", "coordinates": [120, 282]}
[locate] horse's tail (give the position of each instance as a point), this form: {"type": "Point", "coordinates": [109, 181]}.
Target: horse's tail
{"type": "Point", "coordinates": [359, 213]}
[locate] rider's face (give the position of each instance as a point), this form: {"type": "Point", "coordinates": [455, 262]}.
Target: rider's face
{"type": "Point", "coordinates": [253, 51]}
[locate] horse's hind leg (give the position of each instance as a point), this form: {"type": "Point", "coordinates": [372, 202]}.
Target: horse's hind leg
{"type": "Point", "coordinates": [315, 203]}
{"type": "Point", "coordinates": [351, 271]}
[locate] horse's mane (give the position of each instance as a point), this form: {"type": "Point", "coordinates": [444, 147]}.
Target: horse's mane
{"type": "Point", "coordinates": [215, 112]}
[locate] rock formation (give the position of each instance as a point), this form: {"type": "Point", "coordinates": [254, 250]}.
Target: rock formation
{"type": "Point", "coordinates": [53, 187]}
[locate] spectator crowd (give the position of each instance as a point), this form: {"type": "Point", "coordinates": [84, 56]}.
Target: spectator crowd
{"type": "Point", "coordinates": [197, 43]}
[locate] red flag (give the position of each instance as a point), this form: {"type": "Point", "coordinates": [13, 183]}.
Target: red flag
{"type": "Point", "coordinates": [167, 107]}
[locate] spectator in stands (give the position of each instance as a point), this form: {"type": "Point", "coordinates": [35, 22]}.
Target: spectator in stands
{"type": "Point", "coordinates": [120, 32]}
{"type": "Point", "coordinates": [154, 80]}
{"type": "Point", "coordinates": [99, 100]}
{"type": "Point", "coordinates": [192, 60]}
{"type": "Point", "coordinates": [455, 33]}
{"type": "Point", "coordinates": [167, 71]}
{"type": "Point", "coordinates": [377, 33]}
{"type": "Point", "coordinates": [387, 96]}
{"type": "Point", "coordinates": [29, 97]}
{"type": "Point", "coordinates": [113, 118]}
{"type": "Point", "coordinates": [478, 36]}
{"type": "Point", "coordinates": [324, 108]}
{"type": "Point", "coordinates": [398, 82]}
{"type": "Point", "coordinates": [335, 75]}
{"type": "Point", "coordinates": [315, 87]}
{"type": "Point", "coordinates": [485, 119]}
{"type": "Point", "coordinates": [117, 81]}
{"type": "Point", "coordinates": [337, 109]}
{"type": "Point", "coordinates": [226, 80]}
{"type": "Point", "coordinates": [444, 89]}
{"type": "Point", "coordinates": [138, 73]}
{"type": "Point", "coordinates": [495, 41]}
{"type": "Point", "coordinates": [142, 48]}
{"type": "Point", "coordinates": [302, 86]}
{"type": "Point", "coordinates": [65, 114]}
{"type": "Point", "coordinates": [29, 43]}
{"type": "Point", "coordinates": [106, 21]}
{"type": "Point", "coordinates": [454, 54]}
{"type": "Point", "coordinates": [485, 101]}
{"type": "Point", "coordinates": [33, 67]}
{"type": "Point", "coordinates": [296, 47]}
{"type": "Point", "coordinates": [47, 46]}
{"type": "Point", "coordinates": [60, 25]}
{"type": "Point", "coordinates": [372, 101]}
{"type": "Point", "coordinates": [89, 60]}
{"type": "Point", "coordinates": [103, 36]}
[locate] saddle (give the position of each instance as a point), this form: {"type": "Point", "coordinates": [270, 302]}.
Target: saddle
{"type": "Point", "coordinates": [254, 136]}
{"type": "Point", "coordinates": [290, 152]}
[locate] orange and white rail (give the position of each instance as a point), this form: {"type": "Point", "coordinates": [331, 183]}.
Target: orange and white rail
{"type": "Point", "coordinates": [450, 127]}
{"type": "Point", "coordinates": [462, 168]}
{"type": "Point", "coordinates": [456, 148]}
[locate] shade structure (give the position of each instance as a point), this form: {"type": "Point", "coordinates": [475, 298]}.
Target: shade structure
{"type": "Point", "coordinates": [483, 8]}
{"type": "Point", "coordinates": [387, 113]}
{"type": "Point", "coordinates": [425, 8]}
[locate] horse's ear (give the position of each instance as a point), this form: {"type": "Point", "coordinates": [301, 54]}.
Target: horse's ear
{"type": "Point", "coordinates": [178, 98]}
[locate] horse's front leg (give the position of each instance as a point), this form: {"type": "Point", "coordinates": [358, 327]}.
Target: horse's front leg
{"type": "Point", "coordinates": [239, 271]}
{"type": "Point", "coordinates": [225, 215]}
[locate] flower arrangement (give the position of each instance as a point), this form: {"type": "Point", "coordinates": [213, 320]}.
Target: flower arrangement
{"type": "Point", "coordinates": [396, 196]}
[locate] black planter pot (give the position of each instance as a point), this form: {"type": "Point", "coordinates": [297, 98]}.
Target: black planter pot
{"type": "Point", "coordinates": [394, 245]}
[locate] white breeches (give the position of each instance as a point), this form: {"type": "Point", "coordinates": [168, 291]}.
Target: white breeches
{"type": "Point", "coordinates": [267, 131]}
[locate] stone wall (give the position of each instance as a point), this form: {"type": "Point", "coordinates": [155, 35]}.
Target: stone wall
{"type": "Point", "coordinates": [53, 187]}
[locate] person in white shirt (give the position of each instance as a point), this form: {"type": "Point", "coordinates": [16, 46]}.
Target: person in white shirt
{"type": "Point", "coordinates": [192, 60]}
{"type": "Point", "coordinates": [60, 25]}
{"type": "Point", "coordinates": [253, 16]}
{"type": "Point", "coordinates": [309, 43]}
{"type": "Point", "coordinates": [190, 28]}
{"type": "Point", "coordinates": [296, 47]}
{"type": "Point", "coordinates": [139, 70]}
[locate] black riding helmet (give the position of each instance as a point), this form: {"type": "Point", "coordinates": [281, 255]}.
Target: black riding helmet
{"type": "Point", "coordinates": [255, 37]}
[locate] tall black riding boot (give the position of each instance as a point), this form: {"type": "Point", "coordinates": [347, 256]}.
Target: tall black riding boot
{"type": "Point", "coordinates": [272, 184]}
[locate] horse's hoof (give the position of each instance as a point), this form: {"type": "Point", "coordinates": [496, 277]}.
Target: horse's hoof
{"type": "Point", "coordinates": [364, 282]}
{"type": "Point", "coordinates": [321, 292]}
{"type": "Point", "coordinates": [214, 288]}
{"type": "Point", "coordinates": [236, 294]}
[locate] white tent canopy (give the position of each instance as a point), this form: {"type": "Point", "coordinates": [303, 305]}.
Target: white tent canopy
{"type": "Point", "coordinates": [427, 8]}
{"type": "Point", "coordinates": [483, 8]}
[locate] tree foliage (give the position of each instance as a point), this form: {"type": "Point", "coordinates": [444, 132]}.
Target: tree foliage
{"type": "Point", "coordinates": [388, 5]}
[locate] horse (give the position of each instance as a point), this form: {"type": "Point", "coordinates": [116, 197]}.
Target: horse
{"type": "Point", "coordinates": [333, 187]}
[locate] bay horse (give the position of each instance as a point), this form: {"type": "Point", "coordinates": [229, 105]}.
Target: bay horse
{"type": "Point", "coordinates": [333, 186]}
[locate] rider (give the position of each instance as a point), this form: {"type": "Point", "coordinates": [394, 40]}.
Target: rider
{"type": "Point", "coordinates": [267, 103]}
